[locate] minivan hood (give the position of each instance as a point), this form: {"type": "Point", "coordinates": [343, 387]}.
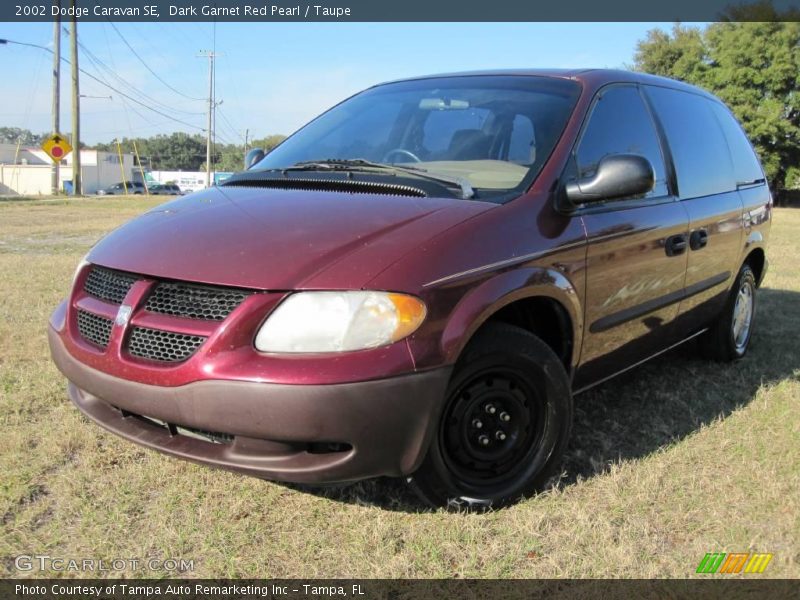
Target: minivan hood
{"type": "Point", "coordinates": [275, 239]}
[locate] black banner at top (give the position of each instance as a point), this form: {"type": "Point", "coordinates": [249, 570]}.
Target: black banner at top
{"type": "Point", "coordinates": [401, 10]}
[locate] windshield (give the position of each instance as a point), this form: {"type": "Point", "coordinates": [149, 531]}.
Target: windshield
{"type": "Point", "coordinates": [494, 132]}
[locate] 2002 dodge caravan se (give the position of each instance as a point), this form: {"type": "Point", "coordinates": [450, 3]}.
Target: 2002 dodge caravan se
{"type": "Point", "coordinates": [415, 283]}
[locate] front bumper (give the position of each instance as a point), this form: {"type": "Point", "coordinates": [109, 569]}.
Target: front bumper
{"type": "Point", "coordinates": [297, 433]}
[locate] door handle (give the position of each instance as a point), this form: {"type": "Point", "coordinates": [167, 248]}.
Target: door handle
{"type": "Point", "coordinates": [675, 244]}
{"type": "Point", "coordinates": [698, 239]}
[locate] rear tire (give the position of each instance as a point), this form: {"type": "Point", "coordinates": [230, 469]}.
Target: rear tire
{"type": "Point", "coordinates": [505, 425]}
{"type": "Point", "coordinates": [729, 336]}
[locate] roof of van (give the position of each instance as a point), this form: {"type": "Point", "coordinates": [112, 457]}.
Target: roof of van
{"type": "Point", "coordinates": [591, 78]}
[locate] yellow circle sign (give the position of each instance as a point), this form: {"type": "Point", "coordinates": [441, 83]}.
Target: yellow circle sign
{"type": "Point", "coordinates": [57, 147]}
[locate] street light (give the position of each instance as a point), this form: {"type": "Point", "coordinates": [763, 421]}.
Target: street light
{"type": "Point", "coordinates": [98, 97]}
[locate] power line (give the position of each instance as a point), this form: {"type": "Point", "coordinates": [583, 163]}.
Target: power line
{"type": "Point", "coordinates": [153, 73]}
{"type": "Point", "coordinates": [229, 125]}
{"type": "Point", "coordinates": [109, 86]}
{"type": "Point", "coordinates": [99, 64]}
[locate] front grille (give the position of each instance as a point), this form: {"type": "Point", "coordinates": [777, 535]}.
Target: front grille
{"type": "Point", "coordinates": [108, 285]}
{"type": "Point", "coordinates": [194, 301]}
{"type": "Point", "coordinates": [94, 329]}
{"type": "Point", "coordinates": [163, 346]}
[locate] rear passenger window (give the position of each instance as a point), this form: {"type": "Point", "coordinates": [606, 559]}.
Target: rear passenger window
{"type": "Point", "coordinates": [746, 167]}
{"type": "Point", "coordinates": [696, 142]}
{"type": "Point", "coordinates": [621, 124]}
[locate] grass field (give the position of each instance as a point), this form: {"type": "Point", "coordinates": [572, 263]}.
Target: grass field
{"type": "Point", "coordinates": [673, 460]}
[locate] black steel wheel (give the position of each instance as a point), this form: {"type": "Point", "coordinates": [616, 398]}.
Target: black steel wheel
{"type": "Point", "coordinates": [505, 424]}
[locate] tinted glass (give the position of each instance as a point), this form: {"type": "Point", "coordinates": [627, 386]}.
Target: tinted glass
{"type": "Point", "coordinates": [698, 146]}
{"type": "Point", "coordinates": [746, 167]}
{"type": "Point", "coordinates": [621, 124]}
{"type": "Point", "coordinates": [522, 145]}
{"type": "Point", "coordinates": [442, 126]}
{"type": "Point", "coordinates": [480, 128]}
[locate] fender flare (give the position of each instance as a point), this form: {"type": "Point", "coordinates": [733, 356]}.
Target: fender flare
{"type": "Point", "coordinates": [476, 307]}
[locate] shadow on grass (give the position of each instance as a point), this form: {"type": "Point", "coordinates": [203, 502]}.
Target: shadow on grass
{"type": "Point", "coordinates": [647, 408]}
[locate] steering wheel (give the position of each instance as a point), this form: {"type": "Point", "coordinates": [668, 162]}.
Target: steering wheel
{"type": "Point", "coordinates": [402, 151]}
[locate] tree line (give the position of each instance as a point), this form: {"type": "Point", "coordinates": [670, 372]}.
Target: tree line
{"type": "Point", "coordinates": [187, 152]}
{"type": "Point", "coordinates": [166, 152]}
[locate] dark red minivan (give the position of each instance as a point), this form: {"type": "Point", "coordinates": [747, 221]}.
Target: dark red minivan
{"type": "Point", "coordinates": [417, 282]}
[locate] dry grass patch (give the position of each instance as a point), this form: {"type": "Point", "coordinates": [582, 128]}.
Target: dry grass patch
{"type": "Point", "coordinates": [671, 461]}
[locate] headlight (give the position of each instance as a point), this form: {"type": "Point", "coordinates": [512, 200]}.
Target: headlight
{"type": "Point", "coordinates": [339, 321]}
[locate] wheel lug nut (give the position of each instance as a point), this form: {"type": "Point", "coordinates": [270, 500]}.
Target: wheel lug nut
{"type": "Point", "coordinates": [500, 435]}
{"type": "Point", "coordinates": [504, 416]}
{"type": "Point", "coordinates": [483, 440]}
{"type": "Point", "coordinates": [476, 423]}
{"type": "Point", "coordinates": [491, 409]}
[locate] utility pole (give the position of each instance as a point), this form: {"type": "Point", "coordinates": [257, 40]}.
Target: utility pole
{"type": "Point", "coordinates": [77, 187]}
{"type": "Point", "coordinates": [55, 168]}
{"type": "Point", "coordinates": [246, 149]}
{"type": "Point", "coordinates": [211, 106]}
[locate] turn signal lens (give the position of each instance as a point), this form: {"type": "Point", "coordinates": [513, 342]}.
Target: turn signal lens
{"type": "Point", "coordinates": [410, 315]}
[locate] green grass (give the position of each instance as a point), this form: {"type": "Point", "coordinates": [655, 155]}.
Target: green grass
{"type": "Point", "coordinates": [670, 461]}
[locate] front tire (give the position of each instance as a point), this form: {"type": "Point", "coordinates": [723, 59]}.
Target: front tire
{"type": "Point", "coordinates": [729, 336]}
{"type": "Point", "coordinates": [505, 424]}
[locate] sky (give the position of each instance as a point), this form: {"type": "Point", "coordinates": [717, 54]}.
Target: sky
{"type": "Point", "coordinates": [271, 77]}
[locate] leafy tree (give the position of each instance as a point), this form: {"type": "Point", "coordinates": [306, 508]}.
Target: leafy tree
{"type": "Point", "coordinates": [186, 152]}
{"type": "Point", "coordinates": [13, 135]}
{"type": "Point", "coordinates": [268, 143]}
{"type": "Point", "coordinates": [752, 67]}
{"type": "Point", "coordinates": [174, 152]}
{"type": "Point", "coordinates": [230, 157]}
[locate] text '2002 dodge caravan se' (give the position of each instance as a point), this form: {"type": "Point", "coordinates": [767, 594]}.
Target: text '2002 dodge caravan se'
{"type": "Point", "coordinates": [415, 283]}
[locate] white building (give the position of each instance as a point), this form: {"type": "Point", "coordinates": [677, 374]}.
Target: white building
{"type": "Point", "coordinates": [26, 171]}
{"type": "Point", "coordinates": [188, 181]}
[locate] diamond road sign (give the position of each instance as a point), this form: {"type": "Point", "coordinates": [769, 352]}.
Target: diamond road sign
{"type": "Point", "coordinates": [57, 147]}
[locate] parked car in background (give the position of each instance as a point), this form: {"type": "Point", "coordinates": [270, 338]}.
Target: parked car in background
{"type": "Point", "coordinates": [118, 189]}
{"type": "Point", "coordinates": [164, 189]}
{"type": "Point", "coordinates": [417, 282]}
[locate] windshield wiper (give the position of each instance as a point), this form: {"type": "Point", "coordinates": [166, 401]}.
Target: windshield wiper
{"type": "Point", "coordinates": [361, 164]}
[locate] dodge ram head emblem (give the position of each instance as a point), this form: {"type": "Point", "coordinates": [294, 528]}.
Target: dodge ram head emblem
{"type": "Point", "coordinates": [123, 315]}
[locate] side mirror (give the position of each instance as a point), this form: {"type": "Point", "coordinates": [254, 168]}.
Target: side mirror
{"type": "Point", "coordinates": [617, 176]}
{"type": "Point", "coordinates": [253, 157]}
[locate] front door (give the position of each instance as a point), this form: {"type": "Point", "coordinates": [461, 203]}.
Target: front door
{"type": "Point", "coordinates": [637, 247]}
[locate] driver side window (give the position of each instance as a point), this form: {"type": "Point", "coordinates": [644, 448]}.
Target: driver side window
{"type": "Point", "coordinates": [621, 124]}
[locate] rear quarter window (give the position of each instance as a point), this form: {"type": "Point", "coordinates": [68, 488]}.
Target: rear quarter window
{"type": "Point", "coordinates": [697, 143]}
{"type": "Point", "coordinates": [746, 167]}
